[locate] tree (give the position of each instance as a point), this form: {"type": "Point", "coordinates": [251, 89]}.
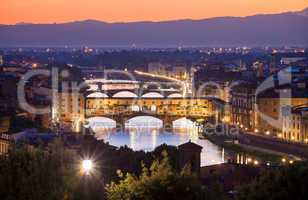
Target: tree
{"type": "Point", "coordinates": [278, 184]}
{"type": "Point", "coordinates": [36, 174]}
{"type": "Point", "coordinates": [160, 181]}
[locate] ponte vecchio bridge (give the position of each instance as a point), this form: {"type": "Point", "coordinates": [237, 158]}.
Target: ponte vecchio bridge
{"type": "Point", "coordinates": [124, 100]}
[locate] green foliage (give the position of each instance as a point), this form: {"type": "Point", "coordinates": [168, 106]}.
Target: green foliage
{"type": "Point", "coordinates": [36, 174]}
{"type": "Point", "coordinates": [160, 181]}
{"type": "Point", "coordinates": [278, 184]}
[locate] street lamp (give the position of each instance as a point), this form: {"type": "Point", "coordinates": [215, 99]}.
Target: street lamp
{"type": "Point", "coordinates": [87, 166]}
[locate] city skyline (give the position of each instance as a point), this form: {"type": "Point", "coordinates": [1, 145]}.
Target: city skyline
{"type": "Point", "coordinates": [56, 11]}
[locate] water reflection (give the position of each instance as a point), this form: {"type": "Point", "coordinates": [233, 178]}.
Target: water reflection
{"type": "Point", "coordinates": [140, 137]}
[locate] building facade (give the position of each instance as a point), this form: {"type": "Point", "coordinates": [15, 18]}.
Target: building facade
{"type": "Point", "coordinates": [5, 142]}
{"type": "Point", "coordinates": [242, 106]}
{"type": "Point", "coordinates": [271, 112]}
{"type": "Point", "coordinates": [295, 125]}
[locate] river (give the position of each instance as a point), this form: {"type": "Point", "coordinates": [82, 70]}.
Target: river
{"type": "Point", "coordinates": [146, 133]}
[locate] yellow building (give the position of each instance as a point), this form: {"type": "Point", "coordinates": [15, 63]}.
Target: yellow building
{"type": "Point", "coordinates": [174, 107]}
{"type": "Point", "coordinates": [69, 111]}
{"type": "Point", "coordinates": [295, 125]}
{"type": "Point", "coordinates": [270, 115]}
{"type": "Point", "coordinates": [5, 142]}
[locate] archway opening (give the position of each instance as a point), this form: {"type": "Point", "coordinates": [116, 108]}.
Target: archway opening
{"type": "Point", "coordinates": [97, 95]}
{"type": "Point", "coordinates": [98, 124]}
{"type": "Point", "coordinates": [175, 95]}
{"type": "Point", "coordinates": [183, 123]}
{"type": "Point", "coordinates": [125, 94]}
{"type": "Point", "coordinates": [152, 95]}
{"type": "Point", "coordinates": [144, 122]}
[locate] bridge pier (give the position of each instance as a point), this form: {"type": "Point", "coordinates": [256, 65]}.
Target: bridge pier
{"type": "Point", "coordinates": [167, 122]}
{"type": "Point", "coordinates": [120, 124]}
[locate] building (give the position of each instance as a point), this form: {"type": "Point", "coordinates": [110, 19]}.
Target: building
{"type": "Point", "coordinates": [178, 71]}
{"type": "Point", "coordinates": [5, 142]}
{"type": "Point", "coordinates": [157, 106]}
{"type": "Point", "coordinates": [290, 60]}
{"type": "Point", "coordinates": [270, 108]}
{"type": "Point", "coordinates": [69, 111]}
{"type": "Point", "coordinates": [295, 125]}
{"type": "Point", "coordinates": [1, 60]}
{"type": "Point", "coordinates": [8, 94]}
{"type": "Point", "coordinates": [190, 155]}
{"type": "Point", "coordinates": [157, 68]}
{"type": "Point", "coordinates": [242, 106]}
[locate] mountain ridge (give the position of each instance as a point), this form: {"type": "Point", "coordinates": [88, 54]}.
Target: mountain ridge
{"type": "Point", "coordinates": [264, 29]}
{"type": "Point", "coordinates": [304, 11]}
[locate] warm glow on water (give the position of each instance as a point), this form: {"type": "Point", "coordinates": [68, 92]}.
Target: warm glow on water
{"type": "Point", "coordinates": [145, 133]}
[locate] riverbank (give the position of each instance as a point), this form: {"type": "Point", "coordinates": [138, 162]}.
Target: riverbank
{"type": "Point", "coordinates": [235, 147]}
{"type": "Point", "coordinates": [272, 144]}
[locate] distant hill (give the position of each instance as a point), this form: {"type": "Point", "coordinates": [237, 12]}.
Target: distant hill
{"type": "Point", "coordinates": [275, 29]}
{"type": "Point", "coordinates": [303, 12]}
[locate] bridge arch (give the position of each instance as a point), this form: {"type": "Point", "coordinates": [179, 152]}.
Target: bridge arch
{"type": "Point", "coordinates": [125, 94]}
{"type": "Point", "coordinates": [175, 95]}
{"type": "Point", "coordinates": [152, 95]}
{"type": "Point", "coordinates": [144, 122]}
{"type": "Point", "coordinates": [98, 95]}
{"type": "Point", "coordinates": [183, 123]}
{"type": "Point", "coordinates": [100, 123]}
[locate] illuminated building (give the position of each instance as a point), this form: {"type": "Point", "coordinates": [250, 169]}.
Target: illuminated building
{"type": "Point", "coordinates": [1, 60]}
{"type": "Point", "coordinates": [125, 105]}
{"type": "Point", "coordinates": [243, 106]}
{"type": "Point", "coordinates": [5, 142]}
{"type": "Point", "coordinates": [273, 106]}
{"type": "Point", "coordinates": [295, 125]}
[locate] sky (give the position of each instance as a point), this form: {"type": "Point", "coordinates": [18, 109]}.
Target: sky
{"type": "Point", "coordinates": [59, 11]}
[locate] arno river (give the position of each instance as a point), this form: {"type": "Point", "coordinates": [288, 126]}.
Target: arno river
{"type": "Point", "coordinates": [146, 133]}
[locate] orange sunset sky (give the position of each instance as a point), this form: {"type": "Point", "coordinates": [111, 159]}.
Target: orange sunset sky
{"type": "Point", "coordinates": [50, 11]}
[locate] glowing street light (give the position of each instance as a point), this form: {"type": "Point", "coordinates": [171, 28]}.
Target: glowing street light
{"type": "Point", "coordinates": [87, 166]}
{"type": "Point", "coordinates": [284, 160]}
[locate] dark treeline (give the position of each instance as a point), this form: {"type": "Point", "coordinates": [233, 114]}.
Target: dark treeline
{"type": "Point", "coordinates": [53, 173]}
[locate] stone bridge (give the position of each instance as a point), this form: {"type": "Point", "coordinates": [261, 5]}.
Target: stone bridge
{"type": "Point", "coordinates": [166, 109]}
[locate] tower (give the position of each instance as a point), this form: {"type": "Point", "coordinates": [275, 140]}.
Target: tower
{"type": "Point", "coordinates": [190, 155]}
